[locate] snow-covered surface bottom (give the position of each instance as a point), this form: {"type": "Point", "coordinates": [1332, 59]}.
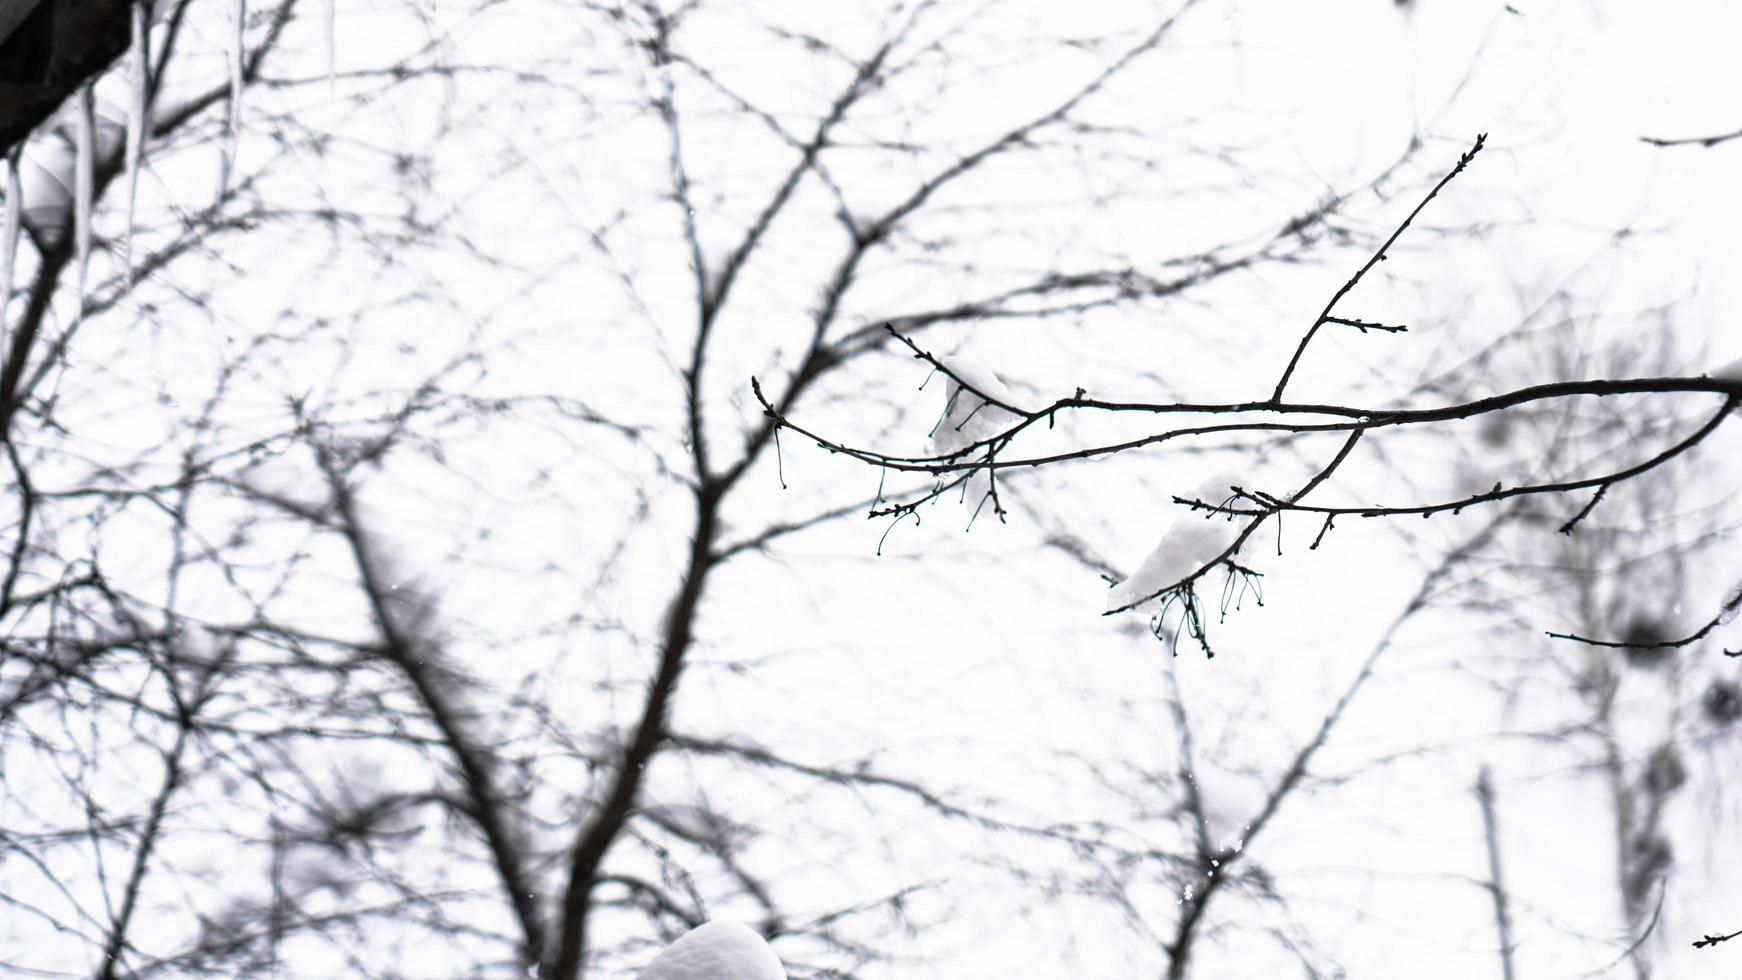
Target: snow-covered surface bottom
{"type": "Point", "coordinates": [716, 951]}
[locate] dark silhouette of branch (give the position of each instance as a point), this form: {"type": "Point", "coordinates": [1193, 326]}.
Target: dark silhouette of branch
{"type": "Point", "coordinates": [1364, 325]}
{"type": "Point", "coordinates": [601, 829]}
{"type": "Point", "coordinates": [1377, 257]}
{"type": "Point", "coordinates": [1703, 141]}
{"type": "Point", "coordinates": [1366, 419]}
{"type": "Point", "coordinates": [26, 509]}
{"type": "Point", "coordinates": [150, 837]}
{"type": "Point", "coordinates": [866, 777]}
{"type": "Point", "coordinates": [420, 664]}
{"type": "Point", "coordinates": [1726, 612]}
{"type": "Point", "coordinates": [1585, 511]}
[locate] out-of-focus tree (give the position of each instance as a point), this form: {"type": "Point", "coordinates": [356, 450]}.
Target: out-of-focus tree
{"type": "Point", "coordinates": [385, 478]}
{"type": "Point", "coordinates": [1622, 688]}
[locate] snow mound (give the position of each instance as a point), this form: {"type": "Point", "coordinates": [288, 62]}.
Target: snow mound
{"type": "Point", "coordinates": [1729, 372]}
{"type": "Point", "coordinates": [970, 419]}
{"type": "Point", "coordinates": [1193, 540]}
{"type": "Point", "coordinates": [716, 951]}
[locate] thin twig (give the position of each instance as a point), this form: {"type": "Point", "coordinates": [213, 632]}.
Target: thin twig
{"type": "Point", "coordinates": [1703, 141]}
{"type": "Point", "coordinates": [1377, 257]}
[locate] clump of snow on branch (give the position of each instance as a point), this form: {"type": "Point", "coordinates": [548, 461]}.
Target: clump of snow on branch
{"type": "Point", "coordinates": [1729, 372]}
{"type": "Point", "coordinates": [716, 951]}
{"type": "Point", "coordinates": [1193, 541]}
{"type": "Point", "coordinates": [972, 417]}
{"type": "Point", "coordinates": [968, 417]}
